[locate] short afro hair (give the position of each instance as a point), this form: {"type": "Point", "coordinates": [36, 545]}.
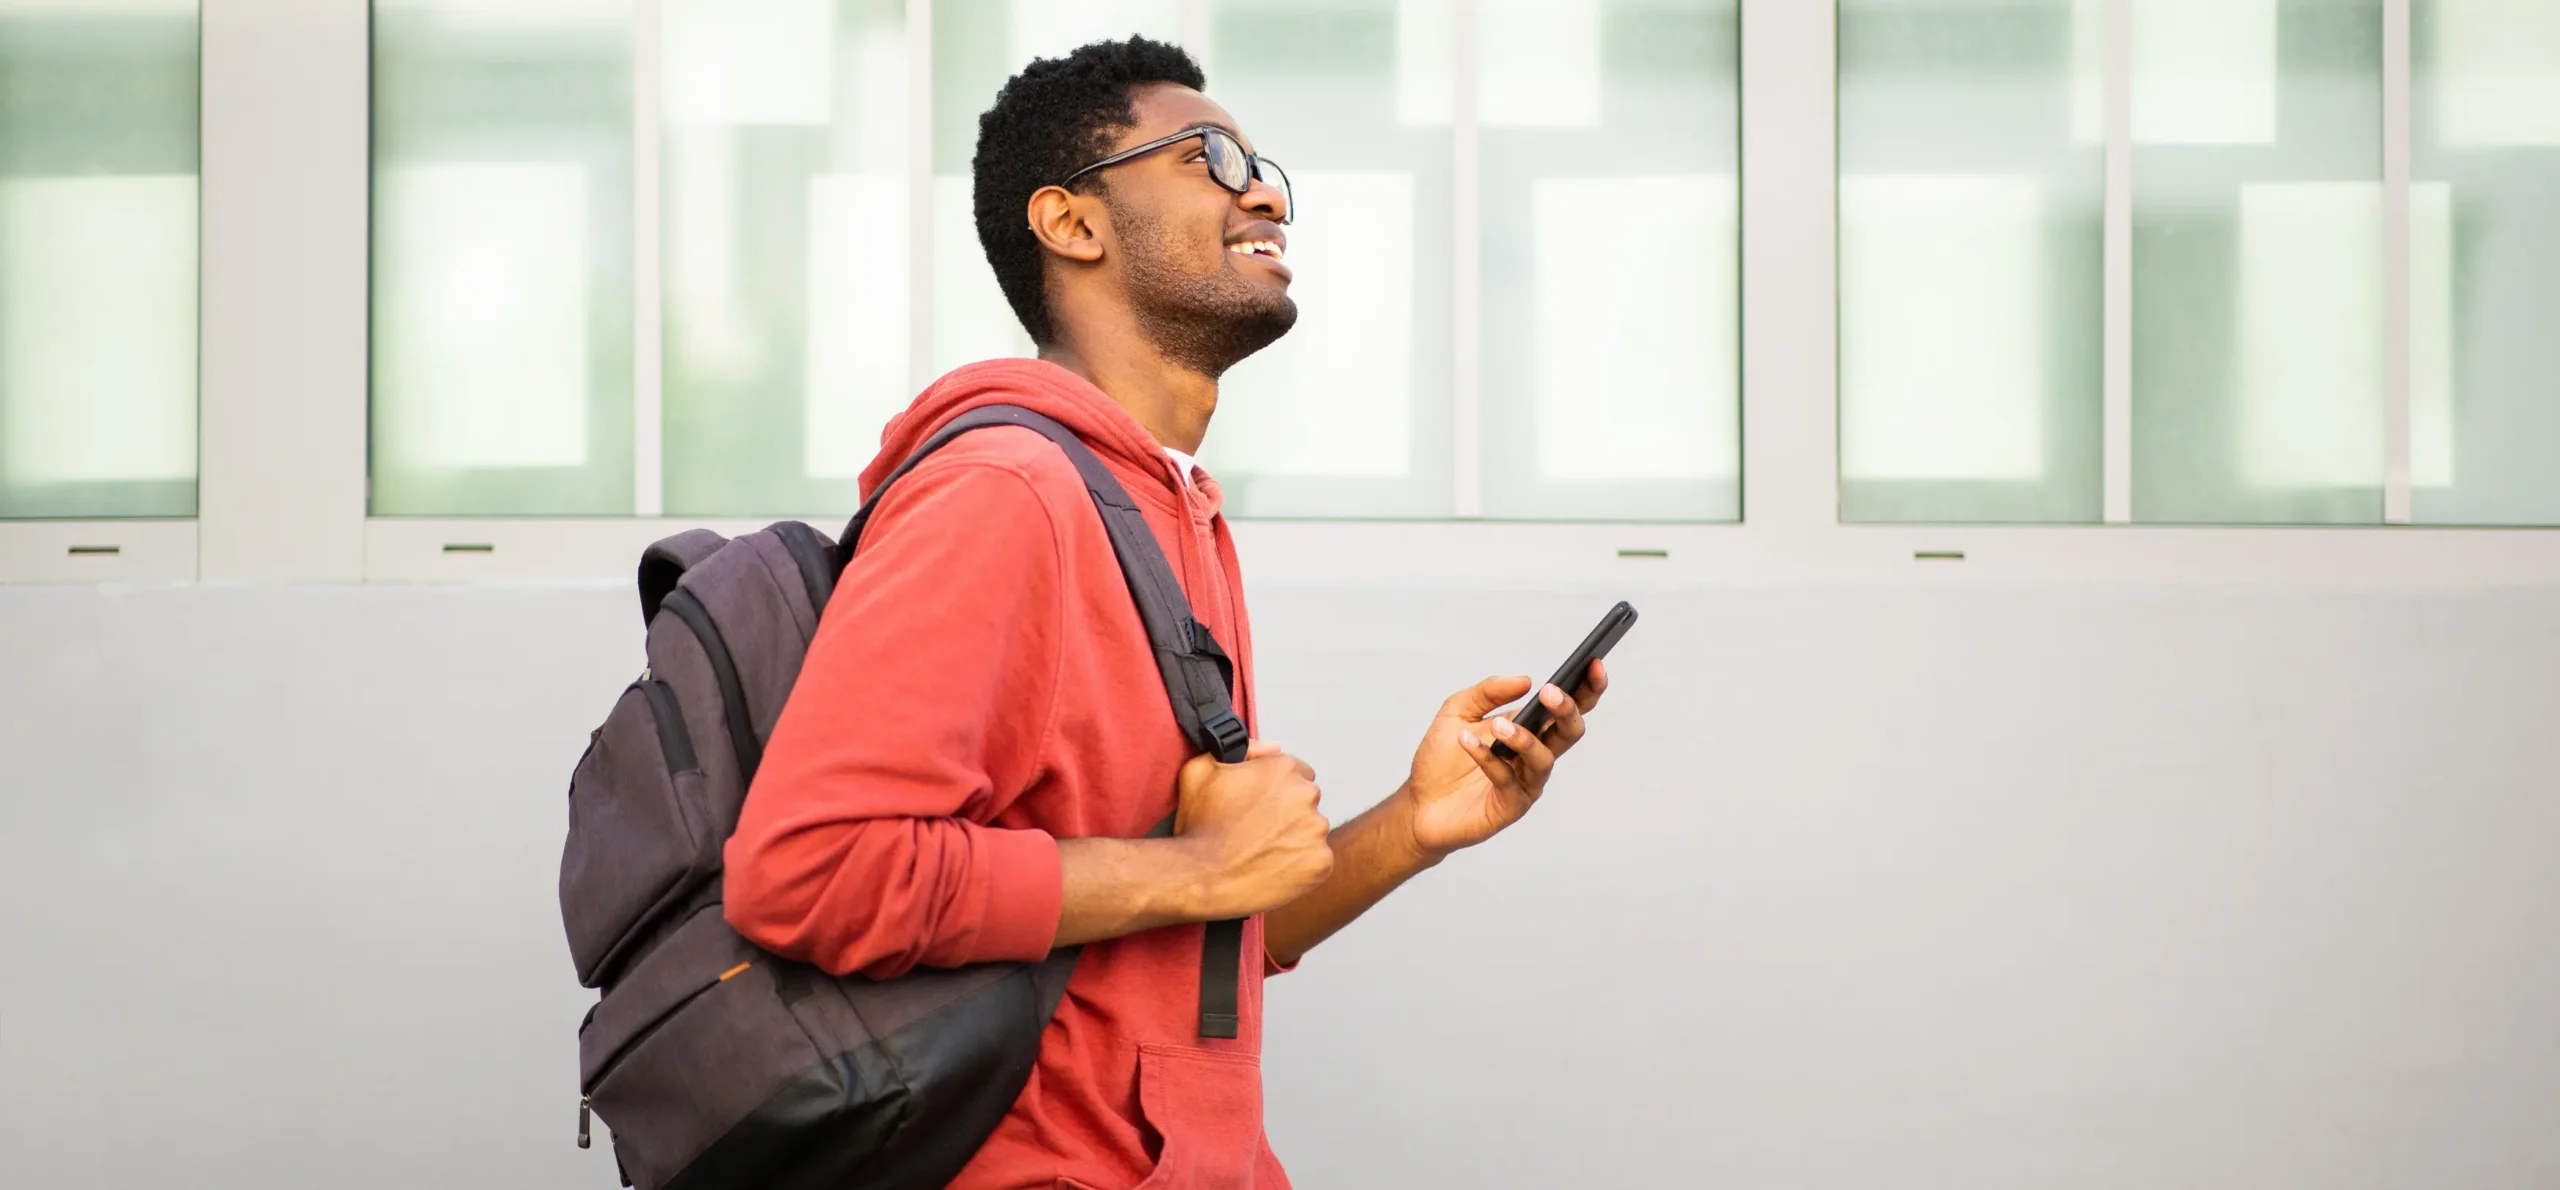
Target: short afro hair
{"type": "Point", "coordinates": [1057, 116]}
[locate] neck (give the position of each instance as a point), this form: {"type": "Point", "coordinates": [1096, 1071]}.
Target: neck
{"type": "Point", "coordinates": [1171, 401]}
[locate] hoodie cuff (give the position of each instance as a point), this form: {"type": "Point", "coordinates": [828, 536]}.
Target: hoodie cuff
{"type": "Point", "coordinates": [1025, 893]}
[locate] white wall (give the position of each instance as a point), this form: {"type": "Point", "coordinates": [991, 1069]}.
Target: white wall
{"type": "Point", "coordinates": [1855, 886]}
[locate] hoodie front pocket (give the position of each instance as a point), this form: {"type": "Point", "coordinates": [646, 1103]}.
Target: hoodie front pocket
{"type": "Point", "coordinates": [1207, 1105]}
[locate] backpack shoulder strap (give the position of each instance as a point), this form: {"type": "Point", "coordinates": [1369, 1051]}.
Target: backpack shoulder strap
{"type": "Point", "coordinates": [1197, 672]}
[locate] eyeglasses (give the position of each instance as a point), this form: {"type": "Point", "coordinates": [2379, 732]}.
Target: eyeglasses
{"type": "Point", "coordinates": [1229, 165]}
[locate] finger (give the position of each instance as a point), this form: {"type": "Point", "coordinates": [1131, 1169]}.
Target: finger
{"type": "Point", "coordinates": [1496, 769]}
{"type": "Point", "coordinates": [1485, 697]}
{"type": "Point", "coordinates": [1593, 687]}
{"type": "Point", "coordinates": [1567, 727]}
{"type": "Point", "coordinates": [1513, 774]}
{"type": "Point", "coordinates": [1261, 748]}
{"type": "Point", "coordinates": [1192, 769]}
{"type": "Point", "coordinates": [1535, 759]}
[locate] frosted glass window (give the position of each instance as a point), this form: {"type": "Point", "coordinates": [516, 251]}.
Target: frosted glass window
{"type": "Point", "coordinates": [971, 320]}
{"type": "Point", "coordinates": [1344, 416]}
{"type": "Point", "coordinates": [2491, 72]}
{"type": "Point", "coordinates": [785, 246]}
{"type": "Point", "coordinates": [1538, 62]}
{"type": "Point", "coordinates": [1617, 380]}
{"type": "Point", "coordinates": [1971, 261]}
{"type": "Point", "coordinates": [2310, 337]}
{"type": "Point", "coordinates": [2205, 73]}
{"type": "Point", "coordinates": [1611, 364]}
{"type": "Point", "coordinates": [98, 258]}
{"type": "Point", "coordinates": [1942, 338]}
{"type": "Point", "coordinates": [2258, 271]}
{"type": "Point", "coordinates": [503, 345]}
{"type": "Point", "coordinates": [2431, 336]}
{"type": "Point", "coordinates": [1611, 257]}
{"type": "Point", "coordinates": [857, 342]}
{"type": "Point", "coordinates": [771, 63]}
{"type": "Point", "coordinates": [1329, 400]}
{"type": "Point", "coordinates": [2485, 138]}
{"type": "Point", "coordinates": [481, 353]}
{"type": "Point", "coordinates": [1050, 28]}
{"type": "Point", "coordinates": [1349, 414]}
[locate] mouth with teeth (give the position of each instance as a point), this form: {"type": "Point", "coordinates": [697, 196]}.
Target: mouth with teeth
{"type": "Point", "coordinates": [1266, 249]}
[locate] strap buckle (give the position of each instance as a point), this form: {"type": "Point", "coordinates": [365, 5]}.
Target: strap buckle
{"type": "Point", "coordinates": [1227, 735]}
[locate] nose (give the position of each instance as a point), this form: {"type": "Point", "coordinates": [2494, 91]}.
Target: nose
{"type": "Point", "coordinates": [1264, 199]}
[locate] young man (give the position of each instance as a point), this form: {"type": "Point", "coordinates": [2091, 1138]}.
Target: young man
{"type": "Point", "coordinates": [981, 735]}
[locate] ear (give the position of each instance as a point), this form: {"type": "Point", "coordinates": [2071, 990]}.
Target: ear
{"type": "Point", "coordinates": [1067, 225]}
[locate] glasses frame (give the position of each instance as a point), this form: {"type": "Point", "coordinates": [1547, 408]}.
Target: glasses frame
{"type": "Point", "coordinates": [1253, 163]}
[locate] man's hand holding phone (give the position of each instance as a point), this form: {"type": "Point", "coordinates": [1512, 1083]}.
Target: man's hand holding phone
{"type": "Point", "coordinates": [1462, 790]}
{"type": "Point", "coordinates": [1462, 793]}
{"type": "Point", "coordinates": [1477, 771]}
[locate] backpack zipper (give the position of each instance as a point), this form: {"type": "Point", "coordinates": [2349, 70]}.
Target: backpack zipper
{"type": "Point", "coordinates": [630, 1045]}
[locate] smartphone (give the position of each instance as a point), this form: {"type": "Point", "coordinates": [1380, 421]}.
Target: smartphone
{"type": "Point", "coordinates": [1575, 671]}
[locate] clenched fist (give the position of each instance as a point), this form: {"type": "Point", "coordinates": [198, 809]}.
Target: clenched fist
{"type": "Point", "coordinates": [1254, 829]}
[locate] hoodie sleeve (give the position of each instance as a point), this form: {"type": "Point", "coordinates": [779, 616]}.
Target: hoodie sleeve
{"type": "Point", "coordinates": [864, 844]}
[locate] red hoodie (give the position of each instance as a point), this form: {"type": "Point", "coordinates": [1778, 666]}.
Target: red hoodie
{"type": "Point", "coordinates": [979, 688]}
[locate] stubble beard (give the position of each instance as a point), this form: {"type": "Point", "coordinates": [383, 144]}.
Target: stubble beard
{"type": "Point", "coordinates": [1206, 324]}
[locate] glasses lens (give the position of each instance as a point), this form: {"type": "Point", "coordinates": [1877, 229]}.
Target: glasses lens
{"type": "Point", "coordinates": [1226, 159]}
{"type": "Point", "coordinates": [1278, 179]}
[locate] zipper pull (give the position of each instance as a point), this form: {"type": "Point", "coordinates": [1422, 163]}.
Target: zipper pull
{"type": "Point", "coordinates": [586, 1114]}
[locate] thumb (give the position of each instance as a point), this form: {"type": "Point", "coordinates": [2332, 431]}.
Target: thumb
{"type": "Point", "coordinates": [1261, 748]}
{"type": "Point", "coordinates": [1196, 772]}
{"type": "Point", "coordinates": [1481, 699]}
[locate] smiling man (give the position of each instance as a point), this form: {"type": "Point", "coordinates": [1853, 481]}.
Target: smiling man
{"type": "Point", "coordinates": [980, 736]}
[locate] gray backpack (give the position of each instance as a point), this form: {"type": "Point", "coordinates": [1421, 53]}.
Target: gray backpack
{"type": "Point", "coordinates": [718, 1064]}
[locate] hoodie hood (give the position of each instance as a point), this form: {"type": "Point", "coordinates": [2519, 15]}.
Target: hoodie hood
{"type": "Point", "coordinates": [1041, 387]}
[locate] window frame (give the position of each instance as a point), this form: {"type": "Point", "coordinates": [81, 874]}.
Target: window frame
{"type": "Point", "coordinates": [287, 158]}
{"type": "Point", "coordinates": [120, 549]}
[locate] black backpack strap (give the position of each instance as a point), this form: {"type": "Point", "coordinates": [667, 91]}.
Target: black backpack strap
{"type": "Point", "coordinates": [809, 552]}
{"type": "Point", "coordinates": [1197, 673]}
{"type": "Point", "coordinates": [1221, 969]}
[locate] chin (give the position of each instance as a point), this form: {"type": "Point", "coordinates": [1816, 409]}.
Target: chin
{"type": "Point", "coordinates": [1283, 311]}
{"type": "Point", "coordinates": [1212, 324]}
{"type": "Point", "coordinates": [1267, 325]}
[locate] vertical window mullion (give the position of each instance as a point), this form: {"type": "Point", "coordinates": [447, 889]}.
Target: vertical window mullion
{"type": "Point", "coordinates": [920, 167]}
{"type": "Point", "coordinates": [2117, 304]}
{"type": "Point", "coordinates": [1466, 222]}
{"type": "Point", "coordinates": [648, 363]}
{"type": "Point", "coordinates": [2396, 269]}
{"type": "Point", "coordinates": [1789, 166]}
